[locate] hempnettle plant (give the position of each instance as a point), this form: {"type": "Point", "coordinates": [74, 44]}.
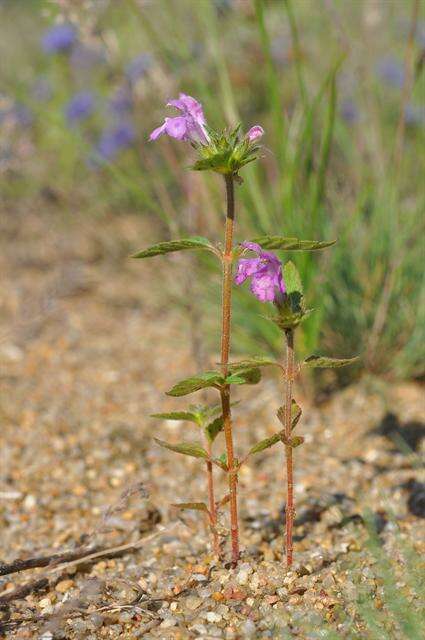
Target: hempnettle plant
{"type": "Point", "coordinates": [226, 153]}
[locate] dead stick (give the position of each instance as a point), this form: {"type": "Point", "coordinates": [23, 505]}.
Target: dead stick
{"type": "Point", "coordinates": [112, 552]}
{"type": "Point", "coordinates": [45, 561]}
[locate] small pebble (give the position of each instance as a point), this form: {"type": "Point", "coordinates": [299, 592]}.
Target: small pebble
{"type": "Point", "coordinates": [64, 585]}
{"type": "Point", "coordinates": [193, 602]}
{"type": "Point", "coordinates": [168, 622]}
{"type": "Point", "coordinates": [211, 616]}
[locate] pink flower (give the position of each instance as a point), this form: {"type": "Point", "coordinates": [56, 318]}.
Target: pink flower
{"type": "Point", "coordinates": [255, 133]}
{"type": "Point", "coordinates": [265, 272]}
{"type": "Point", "coordinates": [189, 126]}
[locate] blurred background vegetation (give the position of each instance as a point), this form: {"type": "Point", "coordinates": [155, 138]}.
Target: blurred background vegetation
{"type": "Point", "coordinates": [338, 87]}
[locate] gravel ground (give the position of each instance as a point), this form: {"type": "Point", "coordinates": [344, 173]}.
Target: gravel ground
{"type": "Point", "coordinates": [87, 349]}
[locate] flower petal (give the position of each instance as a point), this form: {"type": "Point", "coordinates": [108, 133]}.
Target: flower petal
{"type": "Point", "coordinates": [177, 127]}
{"type": "Point", "coordinates": [159, 131]}
{"type": "Point", "coordinates": [263, 287]}
{"type": "Point", "coordinates": [255, 133]}
{"type": "Point", "coordinates": [253, 246]}
{"type": "Point", "coordinates": [246, 268]}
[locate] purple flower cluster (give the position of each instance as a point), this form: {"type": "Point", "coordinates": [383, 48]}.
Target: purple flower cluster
{"type": "Point", "coordinates": [265, 272]}
{"type": "Point", "coordinates": [189, 126]}
{"type": "Point", "coordinates": [59, 38]}
{"type": "Point", "coordinates": [80, 106]}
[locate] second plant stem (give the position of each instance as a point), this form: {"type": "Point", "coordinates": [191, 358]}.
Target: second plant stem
{"type": "Point", "coordinates": [289, 378]}
{"type": "Point", "coordinates": [211, 504]}
{"type": "Point", "coordinates": [225, 348]}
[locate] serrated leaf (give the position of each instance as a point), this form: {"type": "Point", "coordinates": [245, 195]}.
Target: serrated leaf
{"type": "Point", "coordinates": [197, 242]}
{"type": "Point", "coordinates": [201, 381]}
{"type": "Point", "coordinates": [192, 506]}
{"type": "Point", "coordinates": [320, 362]}
{"type": "Point", "coordinates": [296, 413]}
{"type": "Point", "coordinates": [291, 244]}
{"type": "Point", "coordinates": [250, 363]}
{"type": "Point", "coordinates": [214, 428]}
{"type": "Point", "coordinates": [186, 448]}
{"type": "Point", "coordinates": [177, 415]}
{"type": "Point", "coordinates": [244, 376]}
{"type": "Point", "coordinates": [266, 443]}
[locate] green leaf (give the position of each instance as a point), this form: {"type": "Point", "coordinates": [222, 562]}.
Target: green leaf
{"type": "Point", "coordinates": [201, 381]}
{"type": "Point", "coordinates": [214, 428]}
{"type": "Point", "coordinates": [291, 244]}
{"type": "Point", "coordinates": [250, 363]}
{"type": "Point", "coordinates": [197, 242]}
{"type": "Point", "coordinates": [296, 413]}
{"type": "Point", "coordinates": [320, 362]}
{"type": "Point", "coordinates": [192, 506]}
{"type": "Point", "coordinates": [177, 415]}
{"type": "Point", "coordinates": [186, 448]}
{"type": "Point", "coordinates": [244, 376]}
{"type": "Point", "coordinates": [266, 443]}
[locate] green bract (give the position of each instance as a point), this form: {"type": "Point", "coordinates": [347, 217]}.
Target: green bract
{"type": "Point", "coordinates": [291, 311]}
{"type": "Point", "coordinates": [226, 153]}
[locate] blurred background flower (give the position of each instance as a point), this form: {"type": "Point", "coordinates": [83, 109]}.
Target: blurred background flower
{"type": "Point", "coordinates": [80, 106]}
{"type": "Point", "coordinates": [59, 38]}
{"type": "Point", "coordinates": [110, 67]}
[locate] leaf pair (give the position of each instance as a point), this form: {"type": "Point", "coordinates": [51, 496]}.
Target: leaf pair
{"type": "Point", "coordinates": [199, 242]}
{"type": "Point", "coordinates": [280, 435]}
{"type": "Point", "coordinates": [214, 379]}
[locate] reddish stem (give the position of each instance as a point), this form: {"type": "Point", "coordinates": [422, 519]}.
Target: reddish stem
{"type": "Point", "coordinates": [225, 348]}
{"type": "Point", "coordinates": [290, 509]}
{"type": "Point", "coordinates": [211, 504]}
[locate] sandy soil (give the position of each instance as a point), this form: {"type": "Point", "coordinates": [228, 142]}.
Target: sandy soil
{"type": "Point", "coordinates": [88, 346]}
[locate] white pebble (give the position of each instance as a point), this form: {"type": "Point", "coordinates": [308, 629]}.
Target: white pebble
{"type": "Point", "coordinates": [213, 617]}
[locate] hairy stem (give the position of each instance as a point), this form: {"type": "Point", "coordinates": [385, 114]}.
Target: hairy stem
{"type": "Point", "coordinates": [290, 510]}
{"type": "Point", "coordinates": [225, 347]}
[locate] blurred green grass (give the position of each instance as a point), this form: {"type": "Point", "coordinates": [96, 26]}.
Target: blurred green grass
{"type": "Point", "coordinates": [307, 72]}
